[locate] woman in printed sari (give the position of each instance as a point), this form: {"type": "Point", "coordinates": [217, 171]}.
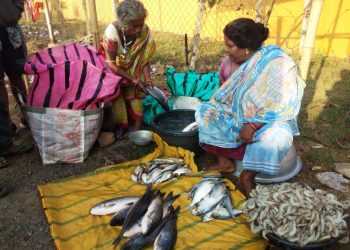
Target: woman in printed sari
{"type": "Point", "coordinates": [252, 116]}
{"type": "Point", "coordinates": [128, 48]}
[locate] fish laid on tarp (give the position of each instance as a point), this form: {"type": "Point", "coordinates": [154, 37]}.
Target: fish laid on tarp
{"type": "Point", "coordinates": [167, 203]}
{"type": "Point", "coordinates": [113, 205]}
{"type": "Point", "coordinates": [159, 170]}
{"type": "Point", "coordinates": [211, 200]}
{"type": "Point", "coordinates": [119, 217]}
{"type": "Point", "coordinates": [153, 215]}
{"type": "Point", "coordinates": [140, 240]}
{"type": "Point", "coordinates": [167, 237]}
{"type": "Point", "coordinates": [137, 210]}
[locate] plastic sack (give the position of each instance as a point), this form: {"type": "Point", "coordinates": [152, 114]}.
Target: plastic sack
{"type": "Point", "coordinates": [186, 102]}
{"type": "Point", "coordinates": [333, 180]}
{"type": "Point", "coordinates": [64, 135]}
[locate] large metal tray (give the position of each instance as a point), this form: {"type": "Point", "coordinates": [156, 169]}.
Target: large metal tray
{"type": "Point", "coordinates": [290, 166]}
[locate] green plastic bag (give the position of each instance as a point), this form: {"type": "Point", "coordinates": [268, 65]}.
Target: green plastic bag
{"type": "Point", "coordinates": [191, 83]}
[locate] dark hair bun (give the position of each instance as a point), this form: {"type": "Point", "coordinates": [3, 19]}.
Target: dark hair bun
{"type": "Point", "coordinates": [246, 33]}
{"type": "Point", "coordinates": [263, 32]}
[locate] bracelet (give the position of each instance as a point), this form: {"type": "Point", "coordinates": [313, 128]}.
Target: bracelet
{"type": "Point", "coordinates": [252, 125]}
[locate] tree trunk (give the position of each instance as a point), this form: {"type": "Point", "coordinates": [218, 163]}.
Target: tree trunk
{"type": "Point", "coordinates": [268, 13]}
{"type": "Point", "coordinates": [48, 22]}
{"type": "Point", "coordinates": [310, 37]}
{"type": "Point", "coordinates": [259, 10]}
{"type": "Point", "coordinates": [94, 23]}
{"type": "Point", "coordinates": [197, 33]}
{"type": "Point", "coordinates": [87, 20]}
{"type": "Point", "coordinates": [307, 8]}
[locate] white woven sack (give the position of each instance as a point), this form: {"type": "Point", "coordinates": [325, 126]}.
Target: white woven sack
{"type": "Point", "coordinates": [64, 135]}
{"type": "Point", "coordinates": [186, 102]}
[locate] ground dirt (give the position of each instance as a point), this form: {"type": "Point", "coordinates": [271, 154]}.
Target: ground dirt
{"type": "Point", "coordinates": [22, 220]}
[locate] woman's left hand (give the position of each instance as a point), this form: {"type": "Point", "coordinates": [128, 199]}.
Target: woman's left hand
{"type": "Point", "coordinates": [246, 134]}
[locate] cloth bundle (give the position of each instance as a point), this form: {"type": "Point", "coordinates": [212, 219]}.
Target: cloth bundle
{"type": "Point", "coordinates": [72, 76]}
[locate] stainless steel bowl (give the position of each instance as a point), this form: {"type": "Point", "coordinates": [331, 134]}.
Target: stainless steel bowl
{"type": "Point", "coordinates": [290, 166]}
{"type": "Point", "coordinates": [141, 137]}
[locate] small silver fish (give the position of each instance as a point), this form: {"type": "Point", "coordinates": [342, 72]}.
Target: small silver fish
{"type": "Point", "coordinates": [113, 205]}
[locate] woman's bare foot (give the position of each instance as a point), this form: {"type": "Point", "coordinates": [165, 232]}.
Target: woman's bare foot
{"type": "Point", "coordinates": [224, 165]}
{"type": "Point", "coordinates": [247, 181]}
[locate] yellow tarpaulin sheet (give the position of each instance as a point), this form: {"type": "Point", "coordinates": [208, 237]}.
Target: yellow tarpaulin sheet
{"type": "Point", "coordinates": [68, 201]}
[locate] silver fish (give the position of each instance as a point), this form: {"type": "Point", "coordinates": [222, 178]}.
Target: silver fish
{"type": "Point", "coordinates": [164, 177]}
{"type": "Point", "coordinates": [211, 200]}
{"type": "Point", "coordinates": [167, 237]}
{"type": "Point", "coordinates": [119, 217]}
{"type": "Point", "coordinates": [153, 215]}
{"type": "Point", "coordinates": [171, 167]}
{"type": "Point", "coordinates": [202, 190]}
{"type": "Point", "coordinates": [226, 202]}
{"type": "Point", "coordinates": [182, 170]}
{"type": "Point", "coordinates": [134, 229]}
{"type": "Point", "coordinates": [140, 240]}
{"type": "Point", "coordinates": [168, 201]}
{"type": "Point", "coordinates": [136, 212]}
{"type": "Point", "coordinates": [113, 205]}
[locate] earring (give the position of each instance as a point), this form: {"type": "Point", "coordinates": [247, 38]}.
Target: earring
{"type": "Point", "coordinates": [247, 51]}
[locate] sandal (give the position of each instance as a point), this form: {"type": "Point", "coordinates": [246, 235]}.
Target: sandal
{"type": "Point", "coordinates": [3, 162]}
{"type": "Point", "coordinates": [17, 150]}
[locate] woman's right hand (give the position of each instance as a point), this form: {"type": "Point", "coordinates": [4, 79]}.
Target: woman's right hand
{"type": "Point", "coordinates": [139, 84]}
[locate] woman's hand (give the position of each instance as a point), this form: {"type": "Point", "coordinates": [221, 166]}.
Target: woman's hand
{"type": "Point", "coordinates": [247, 133]}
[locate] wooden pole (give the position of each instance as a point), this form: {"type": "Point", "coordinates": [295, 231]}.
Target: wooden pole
{"type": "Point", "coordinates": [87, 20]}
{"type": "Point", "coordinates": [94, 23]}
{"type": "Point", "coordinates": [268, 13]}
{"type": "Point", "coordinates": [309, 42]}
{"type": "Point", "coordinates": [259, 10]}
{"type": "Point", "coordinates": [197, 34]}
{"type": "Point", "coordinates": [307, 8]}
{"type": "Point", "coordinates": [48, 22]}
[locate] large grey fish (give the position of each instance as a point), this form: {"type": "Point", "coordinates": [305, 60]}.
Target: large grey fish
{"type": "Point", "coordinates": [168, 201]}
{"type": "Point", "coordinates": [113, 205]}
{"type": "Point", "coordinates": [119, 217]}
{"type": "Point", "coordinates": [153, 215]}
{"type": "Point", "coordinates": [134, 229]}
{"type": "Point", "coordinates": [167, 237]}
{"type": "Point", "coordinates": [137, 210]}
{"type": "Point", "coordinates": [211, 200]}
{"type": "Point", "coordinates": [139, 241]}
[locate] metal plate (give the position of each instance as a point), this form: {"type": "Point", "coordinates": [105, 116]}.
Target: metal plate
{"type": "Point", "coordinates": [290, 166]}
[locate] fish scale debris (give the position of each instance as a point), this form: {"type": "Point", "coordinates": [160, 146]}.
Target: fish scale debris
{"type": "Point", "coordinates": [295, 212]}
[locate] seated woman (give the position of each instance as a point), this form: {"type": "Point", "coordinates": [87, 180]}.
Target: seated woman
{"type": "Point", "coordinates": [128, 47]}
{"type": "Point", "coordinates": [252, 116]}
